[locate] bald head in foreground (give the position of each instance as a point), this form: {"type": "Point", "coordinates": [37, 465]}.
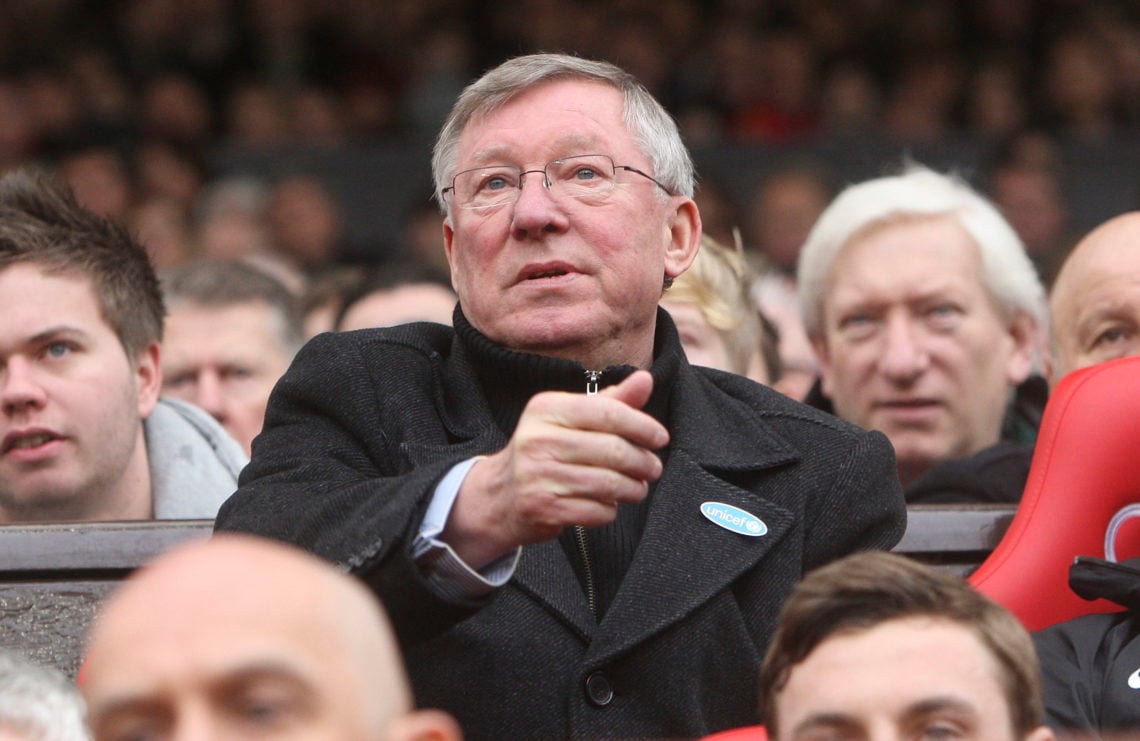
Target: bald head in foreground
{"type": "Point", "coordinates": [1095, 301]}
{"type": "Point", "coordinates": [239, 637]}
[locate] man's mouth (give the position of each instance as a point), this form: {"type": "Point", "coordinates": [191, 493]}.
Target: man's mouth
{"type": "Point", "coordinates": [547, 274]}
{"type": "Point", "coordinates": [24, 442]}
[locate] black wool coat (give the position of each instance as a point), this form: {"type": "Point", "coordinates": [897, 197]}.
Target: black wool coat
{"type": "Point", "coordinates": [364, 424]}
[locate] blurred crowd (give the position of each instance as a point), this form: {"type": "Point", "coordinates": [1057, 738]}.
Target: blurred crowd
{"type": "Point", "coordinates": [132, 99]}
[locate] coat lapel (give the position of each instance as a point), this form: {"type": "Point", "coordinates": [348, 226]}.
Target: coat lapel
{"type": "Point", "coordinates": [683, 558]}
{"type": "Point", "coordinates": [545, 573]}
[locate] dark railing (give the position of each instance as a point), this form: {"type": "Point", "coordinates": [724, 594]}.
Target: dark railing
{"type": "Point", "coordinates": [53, 577]}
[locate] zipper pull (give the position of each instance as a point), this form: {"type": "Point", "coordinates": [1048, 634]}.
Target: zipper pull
{"type": "Point", "coordinates": [592, 382]}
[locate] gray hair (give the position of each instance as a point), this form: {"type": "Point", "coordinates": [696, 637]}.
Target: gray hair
{"type": "Point", "coordinates": [648, 122]}
{"type": "Point", "coordinates": [39, 703]}
{"type": "Point", "coordinates": [224, 283]}
{"type": "Point", "coordinates": [918, 192]}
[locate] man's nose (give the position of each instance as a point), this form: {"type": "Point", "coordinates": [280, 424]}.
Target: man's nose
{"type": "Point", "coordinates": [210, 394]}
{"type": "Point", "coordinates": [20, 387]}
{"type": "Point", "coordinates": [904, 354]}
{"type": "Point", "coordinates": [537, 210]}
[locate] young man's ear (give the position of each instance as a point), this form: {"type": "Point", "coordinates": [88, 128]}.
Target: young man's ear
{"type": "Point", "coordinates": [148, 377]}
{"type": "Point", "coordinates": [425, 725]}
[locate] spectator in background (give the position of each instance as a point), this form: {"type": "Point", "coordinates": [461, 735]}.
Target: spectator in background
{"type": "Point", "coordinates": [926, 315]}
{"type": "Point", "coordinates": [305, 223]}
{"type": "Point", "coordinates": [325, 293]}
{"type": "Point", "coordinates": [231, 331]}
{"type": "Point", "coordinates": [717, 321]}
{"type": "Point", "coordinates": [84, 435]}
{"type": "Point", "coordinates": [38, 703]}
{"type": "Point", "coordinates": [1096, 299]}
{"type": "Point", "coordinates": [396, 295]}
{"type": "Point", "coordinates": [1026, 184]}
{"type": "Point", "coordinates": [877, 646]}
{"type": "Point", "coordinates": [236, 637]}
{"type": "Point", "coordinates": [100, 177]}
{"type": "Point", "coordinates": [231, 222]}
{"type": "Point", "coordinates": [783, 209]}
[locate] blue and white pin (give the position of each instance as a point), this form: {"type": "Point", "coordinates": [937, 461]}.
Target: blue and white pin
{"type": "Point", "coordinates": [734, 519]}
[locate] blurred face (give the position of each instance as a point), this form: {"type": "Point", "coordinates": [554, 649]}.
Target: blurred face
{"type": "Point", "coordinates": [915, 347]}
{"type": "Point", "coordinates": [703, 344]}
{"type": "Point", "coordinates": [1096, 299]}
{"type": "Point", "coordinates": [215, 663]}
{"type": "Point", "coordinates": [424, 302]}
{"type": "Point", "coordinates": [910, 678]}
{"type": "Point", "coordinates": [71, 405]}
{"type": "Point", "coordinates": [226, 360]}
{"type": "Point", "coordinates": [556, 275]}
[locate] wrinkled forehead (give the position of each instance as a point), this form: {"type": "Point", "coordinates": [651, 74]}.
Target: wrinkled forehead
{"type": "Point", "coordinates": [557, 117]}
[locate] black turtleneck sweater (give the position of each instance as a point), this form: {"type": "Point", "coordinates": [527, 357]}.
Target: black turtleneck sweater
{"type": "Point", "coordinates": [509, 379]}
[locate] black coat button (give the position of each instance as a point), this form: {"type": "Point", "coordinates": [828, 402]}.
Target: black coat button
{"type": "Point", "coordinates": [598, 689]}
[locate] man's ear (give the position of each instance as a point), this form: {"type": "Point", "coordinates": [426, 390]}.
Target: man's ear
{"type": "Point", "coordinates": [148, 377]}
{"type": "Point", "coordinates": [820, 346]}
{"type": "Point", "coordinates": [425, 725]}
{"type": "Point", "coordinates": [684, 237]}
{"type": "Point", "coordinates": [1027, 348]}
{"type": "Point", "coordinates": [449, 249]}
{"type": "Point", "coordinates": [1041, 733]}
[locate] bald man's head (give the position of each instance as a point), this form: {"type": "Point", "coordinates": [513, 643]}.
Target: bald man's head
{"type": "Point", "coordinates": [269, 640]}
{"type": "Point", "coordinates": [1095, 301]}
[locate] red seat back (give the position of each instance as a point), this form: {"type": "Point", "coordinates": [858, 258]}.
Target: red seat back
{"type": "Point", "coordinates": [747, 733]}
{"type": "Point", "coordinates": [1086, 469]}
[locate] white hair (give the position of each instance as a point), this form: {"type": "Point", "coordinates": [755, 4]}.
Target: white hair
{"type": "Point", "coordinates": [918, 192]}
{"type": "Point", "coordinates": [648, 122]}
{"type": "Point", "coordinates": [39, 703]}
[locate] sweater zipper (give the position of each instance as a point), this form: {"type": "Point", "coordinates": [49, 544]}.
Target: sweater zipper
{"type": "Point", "coordinates": [592, 377]}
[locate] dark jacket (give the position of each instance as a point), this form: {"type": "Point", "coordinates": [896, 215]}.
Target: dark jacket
{"type": "Point", "coordinates": [996, 474]}
{"type": "Point", "coordinates": [1091, 664]}
{"type": "Point", "coordinates": [364, 424]}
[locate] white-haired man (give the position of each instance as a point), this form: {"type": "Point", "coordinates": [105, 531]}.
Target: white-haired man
{"type": "Point", "coordinates": [926, 314]}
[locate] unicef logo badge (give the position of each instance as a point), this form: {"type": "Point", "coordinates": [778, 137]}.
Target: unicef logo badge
{"type": "Point", "coordinates": [734, 519]}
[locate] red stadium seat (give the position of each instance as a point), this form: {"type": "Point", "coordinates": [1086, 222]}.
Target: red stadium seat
{"type": "Point", "coordinates": [747, 733]}
{"type": "Point", "coordinates": [1084, 477]}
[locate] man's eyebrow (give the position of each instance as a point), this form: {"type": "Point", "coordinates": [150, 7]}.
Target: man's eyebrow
{"type": "Point", "coordinates": [942, 704]}
{"type": "Point", "coordinates": [59, 330]}
{"type": "Point", "coordinates": [142, 700]}
{"type": "Point", "coordinates": [825, 719]}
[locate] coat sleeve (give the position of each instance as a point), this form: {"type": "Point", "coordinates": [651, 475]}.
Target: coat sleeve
{"type": "Point", "coordinates": [863, 509]}
{"type": "Point", "coordinates": [327, 476]}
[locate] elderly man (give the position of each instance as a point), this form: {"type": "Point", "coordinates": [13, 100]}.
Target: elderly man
{"type": "Point", "coordinates": [231, 330]}
{"type": "Point", "coordinates": [239, 637]}
{"type": "Point", "coordinates": [879, 647]}
{"type": "Point", "coordinates": [577, 533]}
{"type": "Point", "coordinates": [1096, 298]}
{"type": "Point", "coordinates": [84, 434]}
{"type": "Point", "coordinates": [925, 313]}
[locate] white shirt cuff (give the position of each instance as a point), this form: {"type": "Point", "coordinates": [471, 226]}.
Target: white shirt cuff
{"type": "Point", "coordinates": [444, 569]}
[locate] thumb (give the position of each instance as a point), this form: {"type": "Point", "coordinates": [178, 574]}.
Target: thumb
{"type": "Point", "coordinates": [635, 390]}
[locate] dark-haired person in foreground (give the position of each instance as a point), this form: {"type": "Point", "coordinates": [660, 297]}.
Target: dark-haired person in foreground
{"type": "Point", "coordinates": [878, 647]}
{"type": "Point", "coordinates": [83, 434]}
{"type": "Point", "coordinates": [577, 533]}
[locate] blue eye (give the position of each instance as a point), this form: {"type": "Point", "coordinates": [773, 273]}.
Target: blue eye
{"type": "Point", "coordinates": [498, 182]}
{"type": "Point", "coordinates": [57, 349]}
